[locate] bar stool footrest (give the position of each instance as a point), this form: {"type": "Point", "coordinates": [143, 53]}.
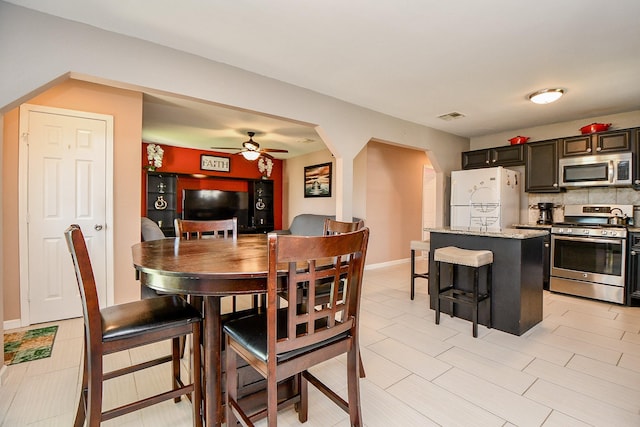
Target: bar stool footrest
{"type": "Point", "coordinates": [459, 296]}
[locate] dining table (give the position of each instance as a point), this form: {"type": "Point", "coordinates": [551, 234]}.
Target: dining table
{"type": "Point", "coordinates": [209, 268]}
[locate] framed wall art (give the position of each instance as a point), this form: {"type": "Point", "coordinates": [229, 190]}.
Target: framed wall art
{"type": "Point", "coordinates": [215, 163]}
{"type": "Point", "coordinates": [317, 180]}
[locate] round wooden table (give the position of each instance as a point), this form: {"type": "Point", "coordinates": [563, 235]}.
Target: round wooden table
{"type": "Point", "coordinates": [211, 268]}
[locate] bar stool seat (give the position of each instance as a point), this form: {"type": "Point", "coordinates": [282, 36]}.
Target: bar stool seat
{"type": "Point", "coordinates": [417, 245]}
{"type": "Point", "coordinates": [469, 258]}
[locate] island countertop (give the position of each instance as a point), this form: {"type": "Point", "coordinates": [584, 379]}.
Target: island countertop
{"type": "Point", "coordinates": [506, 233]}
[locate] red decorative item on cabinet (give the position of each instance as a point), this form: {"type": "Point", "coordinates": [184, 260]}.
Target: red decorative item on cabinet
{"type": "Point", "coordinates": [594, 127]}
{"type": "Point", "coordinates": [518, 140]}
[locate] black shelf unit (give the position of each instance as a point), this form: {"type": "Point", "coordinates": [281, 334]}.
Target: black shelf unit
{"type": "Point", "coordinates": [162, 200]}
{"type": "Point", "coordinates": [261, 205]}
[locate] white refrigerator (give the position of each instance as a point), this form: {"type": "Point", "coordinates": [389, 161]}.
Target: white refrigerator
{"type": "Point", "coordinates": [485, 199]}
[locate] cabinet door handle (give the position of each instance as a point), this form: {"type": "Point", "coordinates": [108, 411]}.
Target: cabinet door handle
{"type": "Point", "coordinates": [599, 149]}
{"type": "Point", "coordinates": [588, 150]}
{"type": "Point", "coordinates": [555, 184]}
{"type": "Point", "coordinates": [634, 253]}
{"type": "Point", "coordinates": [546, 245]}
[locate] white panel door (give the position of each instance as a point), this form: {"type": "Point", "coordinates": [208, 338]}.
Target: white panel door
{"type": "Point", "coordinates": [66, 185]}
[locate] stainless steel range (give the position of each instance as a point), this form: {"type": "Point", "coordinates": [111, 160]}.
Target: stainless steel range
{"type": "Point", "coordinates": [588, 252]}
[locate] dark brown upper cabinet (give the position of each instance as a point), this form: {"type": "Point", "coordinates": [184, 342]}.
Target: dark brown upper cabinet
{"type": "Point", "coordinates": [510, 155]}
{"type": "Point", "coordinates": [596, 143]}
{"type": "Point", "coordinates": [541, 167]}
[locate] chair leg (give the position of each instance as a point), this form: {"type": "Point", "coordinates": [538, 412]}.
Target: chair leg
{"type": "Point", "coordinates": [489, 281]}
{"type": "Point", "coordinates": [197, 302]}
{"type": "Point", "coordinates": [363, 374]}
{"type": "Point", "coordinates": [303, 406]}
{"type": "Point", "coordinates": [413, 274]}
{"type": "Point", "coordinates": [474, 308]}
{"type": "Point", "coordinates": [272, 402]}
{"type": "Point", "coordinates": [436, 287]}
{"type": "Point", "coordinates": [353, 388]}
{"type": "Point", "coordinates": [196, 397]}
{"type": "Point", "coordinates": [81, 413]}
{"type": "Point", "coordinates": [94, 389]}
{"type": "Point", "coordinates": [231, 367]}
{"type": "Point", "coordinates": [453, 270]}
{"type": "Point", "coordinates": [175, 363]}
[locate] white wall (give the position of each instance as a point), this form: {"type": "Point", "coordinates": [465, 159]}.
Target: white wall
{"type": "Point", "coordinates": [59, 47]}
{"type": "Point", "coordinates": [556, 130]}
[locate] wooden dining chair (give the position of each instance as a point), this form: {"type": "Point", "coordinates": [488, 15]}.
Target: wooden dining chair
{"type": "Point", "coordinates": [197, 229]}
{"type": "Point", "coordinates": [123, 327]}
{"type": "Point", "coordinates": [211, 228]}
{"type": "Point", "coordinates": [286, 342]}
{"type": "Point", "coordinates": [218, 228]}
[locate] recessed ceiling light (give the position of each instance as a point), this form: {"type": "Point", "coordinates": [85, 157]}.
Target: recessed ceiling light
{"type": "Point", "coordinates": [546, 96]}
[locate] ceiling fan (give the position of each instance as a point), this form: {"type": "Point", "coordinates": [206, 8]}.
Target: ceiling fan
{"type": "Point", "coordinates": [251, 150]}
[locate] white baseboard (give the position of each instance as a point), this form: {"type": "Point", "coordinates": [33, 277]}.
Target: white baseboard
{"type": "Point", "coordinates": [386, 264]}
{"type": "Point", "coordinates": [3, 373]}
{"type": "Point", "coordinates": [12, 324]}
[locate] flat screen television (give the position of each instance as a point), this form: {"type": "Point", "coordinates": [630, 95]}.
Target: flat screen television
{"type": "Point", "coordinates": [216, 204]}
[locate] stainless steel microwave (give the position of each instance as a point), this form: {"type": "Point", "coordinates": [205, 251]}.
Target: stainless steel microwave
{"type": "Point", "coordinates": [598, 170]}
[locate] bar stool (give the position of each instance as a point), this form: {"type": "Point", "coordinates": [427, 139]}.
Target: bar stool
{"type": "Point", "coordinates": [417, 245]}
{"type": "Point", "coordinates": [469, 258]}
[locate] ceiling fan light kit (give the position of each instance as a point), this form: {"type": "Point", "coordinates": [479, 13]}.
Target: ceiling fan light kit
{"type": "Point", "coordinates": [251, 149]}
{"type": "Point", "coordinates": [250, 155]}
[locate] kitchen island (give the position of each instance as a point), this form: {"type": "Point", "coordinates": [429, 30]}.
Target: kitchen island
{"type": "Point", "coordinates": [517, 275]}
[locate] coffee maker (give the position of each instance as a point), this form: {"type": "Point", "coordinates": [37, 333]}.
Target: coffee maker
{"type": "Point", "coordinates": [545, 213]}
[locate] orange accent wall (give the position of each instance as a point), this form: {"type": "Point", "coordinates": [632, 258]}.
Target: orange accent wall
{"type": "Point", "coordinates": [186, 163]}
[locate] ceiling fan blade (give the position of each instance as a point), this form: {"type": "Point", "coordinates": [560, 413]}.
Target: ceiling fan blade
{"type": "Point", "coordinates": [273, 150]}
{"type": "Point", "coordinates": [227, 148]}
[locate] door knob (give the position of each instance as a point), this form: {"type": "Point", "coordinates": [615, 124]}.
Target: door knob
{"type": "Point", "coordinates": [98, 227]}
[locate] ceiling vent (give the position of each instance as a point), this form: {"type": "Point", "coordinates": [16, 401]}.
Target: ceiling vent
{"type": "Point", "coordinates": [451, 116]}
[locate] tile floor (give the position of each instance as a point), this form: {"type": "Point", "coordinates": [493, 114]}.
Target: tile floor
{"type": "Point", "coordinates": [579, 367]}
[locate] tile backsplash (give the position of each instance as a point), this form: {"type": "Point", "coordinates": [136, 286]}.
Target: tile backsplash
{"type": "Point", "coordinates": [599, 195]}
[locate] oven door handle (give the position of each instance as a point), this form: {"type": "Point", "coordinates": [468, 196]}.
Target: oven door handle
{"type": "Point", "coordinates": [587, 239]}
